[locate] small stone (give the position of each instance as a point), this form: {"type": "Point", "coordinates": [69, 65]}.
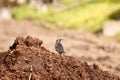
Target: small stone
{"type": "Point", "coordinates": [5, 14]}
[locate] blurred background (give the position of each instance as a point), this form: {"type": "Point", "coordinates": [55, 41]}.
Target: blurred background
{"type": "Point", "coordinates": [84, 15]}
{"type": "Point", "coordinates": [90, 29]}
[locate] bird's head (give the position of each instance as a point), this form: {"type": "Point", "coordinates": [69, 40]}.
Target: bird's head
{"type": "Point", "coordinates": [58, 40]}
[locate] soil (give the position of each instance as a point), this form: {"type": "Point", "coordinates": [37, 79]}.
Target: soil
{"type": "Point", "coordinates": [27, 59]}
{"type": "Point", "coordinates": [85, 46]}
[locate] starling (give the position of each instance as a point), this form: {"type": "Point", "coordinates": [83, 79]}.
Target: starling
{"type": "Point", "coordinates": [59, 47]}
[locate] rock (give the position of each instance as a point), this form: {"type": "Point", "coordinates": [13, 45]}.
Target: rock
{"type": "Point", "coordinates": [44, 8]}
{"type": "Point", "coordinates": [39, 4]}
{"type": "Point", "coordinates": [33, 3]}
{"type": "Point", "coordinates": [5, 14]}
{"type": "Point", "coordinates": [21, 2]}
{"type": "Point", "coordinates": [111, 28]}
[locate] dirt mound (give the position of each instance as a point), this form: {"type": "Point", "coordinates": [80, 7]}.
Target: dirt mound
{"type": "Point", "coordinates": [28, 60]}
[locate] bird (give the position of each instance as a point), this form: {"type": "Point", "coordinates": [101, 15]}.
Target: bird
{"type": "Point", "coordinates": [58, 47]}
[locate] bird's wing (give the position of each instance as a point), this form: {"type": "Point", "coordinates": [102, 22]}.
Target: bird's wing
{"type": "Point", "coordinates": [61, 48]}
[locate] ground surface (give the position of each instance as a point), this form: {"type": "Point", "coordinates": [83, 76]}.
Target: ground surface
{"type": "Point", "coordinates": [84, 46]}
{"type": "Point", "coordinates": [27, 59]}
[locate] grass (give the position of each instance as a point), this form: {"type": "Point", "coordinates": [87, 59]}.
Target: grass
{"type": "Point", "coordinates": [25, 12]}
{"type": "Point", "coordinates": [69, 2]}
{"type": "Point", "coordinates": [88, 17]}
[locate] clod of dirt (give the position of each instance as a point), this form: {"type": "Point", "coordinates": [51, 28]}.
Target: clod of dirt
{"type": "Point", "coordinates": [28, 60]}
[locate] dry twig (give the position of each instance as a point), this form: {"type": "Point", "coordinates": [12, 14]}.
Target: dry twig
{"type": "Point", "coordinates": [31, 68]}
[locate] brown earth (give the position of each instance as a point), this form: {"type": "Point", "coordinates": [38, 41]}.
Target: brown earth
{"type": "Point", "coordinates": [85, 46]}
{"type": "Point", "coordinates": [28, 60]}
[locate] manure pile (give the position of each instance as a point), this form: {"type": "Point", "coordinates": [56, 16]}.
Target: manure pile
{"type": "Point", "coordinates": [27, 59]}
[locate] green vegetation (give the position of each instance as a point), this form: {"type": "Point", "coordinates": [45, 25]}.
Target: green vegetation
{"type": "Point", "coordinates": [1, 1]}
{"type": "Point", "coordinates": [69, 2]}
{"type": "Point", "coordinates": [115, 15]}
{"type": "Point", "coordinates": [88, 16]}
{"type": "Point", "coordinates": [25, 12]}
{"type": "Point", "coordinates": [116, 37]}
